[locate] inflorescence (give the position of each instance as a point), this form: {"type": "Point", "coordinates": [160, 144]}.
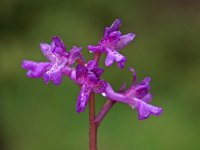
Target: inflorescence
{"type": "Point", "coordinates": [88, 75]}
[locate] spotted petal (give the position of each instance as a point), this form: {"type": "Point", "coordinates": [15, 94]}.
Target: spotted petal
{"type": "Point", "coordinates": [54, 74]}
{"type": "Point", "coordinates": [83, 98]}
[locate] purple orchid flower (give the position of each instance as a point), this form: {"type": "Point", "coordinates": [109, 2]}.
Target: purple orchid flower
{"type": "Point", "coordinates": [137, 96]}
{"type": "Point", "coordinates": [112, 42]}
{"type": "Point", "coordinates": [60, 62]}
{"type": "Point", "coordinates": [88, 76]}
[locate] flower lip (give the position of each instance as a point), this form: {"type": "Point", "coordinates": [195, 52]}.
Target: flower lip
{"type": "Point", "coordinates": [145, 110]}
{"type": "Point", "coordinates": [83, 98]}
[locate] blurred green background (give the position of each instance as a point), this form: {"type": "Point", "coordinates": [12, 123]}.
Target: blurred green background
{"type": "Point", "coordinates": [34, 116]}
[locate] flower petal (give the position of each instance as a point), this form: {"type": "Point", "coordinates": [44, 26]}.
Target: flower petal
{"type": "Point", "coordinates": [122, 88]}
{"type": "Point", "coordinates": [145, 81]}
{"type": "Point", "coordinates": [124, 40]}
{"type": "Point", "coordinates": [92, 77]}
{"type": "Point", "coordinates": [121, 61]}
{"type": "Point", "coordinates": [73, 54]}
{"type": "Point", "coordinates": [58, 46]}
{"type": "Point", "coordinates": [47, 51]}
{"type": "Point", "coordinates": [91, 64]}
{"type": "Point", "coordinates": [54, 74]}
{"type": "Point", "coordinates": [141, 91]}
{"type": "Point", "coordinates": [97, 71]}
{"type": "Point", "coordinates": [109, 59]}
{"type": "Point", "coordinates": [35, 70]}
{"type": "Point", "coordinates": [115, 56]}
{"type": "Point", "coordinates": [57, 78]}
{"type": "Point", "coordinates": [147, 98]}
{"type": "Point", "coordinates": [100, 87]}
{"type": "Point", "coordinates": [145, 110]}
{"type": "Point", "coordinates": [83, 98]}
{"type": "Point", "coordinates": [70, 72]}
{"type": "Point", "coordinates": [134, 75]}
{"type": "Point", "coordinates": [81, 73]}
{"type": "Point", "coordinates": [114, 37]}
{"type": "Point", "coordinates": [114, 27]}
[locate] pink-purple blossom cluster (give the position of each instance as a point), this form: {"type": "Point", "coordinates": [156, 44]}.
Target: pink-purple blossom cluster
{"type": "Point", "coordinates": [88, 74]}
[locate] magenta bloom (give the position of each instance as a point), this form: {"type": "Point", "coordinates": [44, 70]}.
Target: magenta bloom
{"type": "Point", "coordinates": [112, 42]}
{"type": "Point", "coordinates": [88, 76]}
{"type": "Point", "coordinates": [137, 96]}
{"type": "Point", "coordinates": [59, 62]}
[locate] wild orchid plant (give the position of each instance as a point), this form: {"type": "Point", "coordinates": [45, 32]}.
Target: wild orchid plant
{"type": "Point", "coordinates": [88, 76]}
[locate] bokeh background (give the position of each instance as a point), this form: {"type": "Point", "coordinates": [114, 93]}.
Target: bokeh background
{"type": "Point", "coordinates": [34, 116]}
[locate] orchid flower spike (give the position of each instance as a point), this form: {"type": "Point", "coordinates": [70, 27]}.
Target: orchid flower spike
{"type": "Point", "coordinates": [60, 62]}
{"type": "Point", "coordinates": [111, 43]}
